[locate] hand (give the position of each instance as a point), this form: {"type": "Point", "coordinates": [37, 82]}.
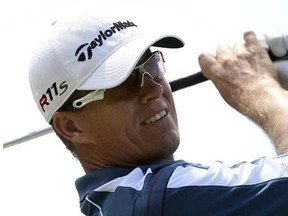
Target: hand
{"type": "Point", "coordinates": [246, 78]}
{"type": "Point", "coordinates": [240, 73]}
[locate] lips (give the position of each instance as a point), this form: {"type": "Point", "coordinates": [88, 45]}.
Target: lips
{"type": "Point", "coordinates": [156, 117]}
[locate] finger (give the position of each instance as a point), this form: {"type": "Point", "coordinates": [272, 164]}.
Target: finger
{"type": "Point", "coordinates": [223, 52]}
{"type": "Point", "coordinates": [207, 62]}
{"type": "Point", "coordinates": [253, 45]}
{"type": "Point", "coordinates": [250, 38]}
{"type": "Point", "coordinates": [239, 48]}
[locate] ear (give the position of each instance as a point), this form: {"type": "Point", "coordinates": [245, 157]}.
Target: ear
{"type": "Point", "coordinates": [65, 125]}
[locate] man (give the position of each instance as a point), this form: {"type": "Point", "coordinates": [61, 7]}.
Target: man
{"type": "Point", "coordinates": [97, 81]}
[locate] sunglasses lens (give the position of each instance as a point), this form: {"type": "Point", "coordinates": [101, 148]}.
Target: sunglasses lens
{"type": "Point", "coordinates": [155, 66]}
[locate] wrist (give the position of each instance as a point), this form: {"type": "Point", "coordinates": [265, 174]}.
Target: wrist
{"type": "Point", "coordinates": [270, 111]}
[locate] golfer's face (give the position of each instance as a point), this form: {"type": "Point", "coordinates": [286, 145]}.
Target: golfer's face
{"type": "Point", "coordinates": [133, 125]}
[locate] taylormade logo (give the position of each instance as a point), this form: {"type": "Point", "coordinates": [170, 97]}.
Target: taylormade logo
{"type": "Point", "coordinates": [84, 51]}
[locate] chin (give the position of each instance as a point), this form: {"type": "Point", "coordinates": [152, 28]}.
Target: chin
{"type": "Point", "coordinates": [170, 146]}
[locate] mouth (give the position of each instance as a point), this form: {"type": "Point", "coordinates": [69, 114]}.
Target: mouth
{"type": "Point", "coordinates": [156, 117]}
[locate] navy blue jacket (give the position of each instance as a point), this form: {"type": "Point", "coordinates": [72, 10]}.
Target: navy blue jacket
{"type": "Point", "coordinates": [179, 188]}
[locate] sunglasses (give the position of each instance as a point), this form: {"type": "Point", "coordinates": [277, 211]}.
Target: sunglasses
{"type": "Point", "coordinates": [153, 68]}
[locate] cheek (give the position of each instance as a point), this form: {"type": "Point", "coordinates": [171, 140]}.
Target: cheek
{"type": "Point", "coordinates": [107, 123]}
{"type": "Point", "coordinates": [125, 92]}
{"type": "Point", "coordinates": [169, 97]}
{"type": "Point", "coordinates": [168, 94]}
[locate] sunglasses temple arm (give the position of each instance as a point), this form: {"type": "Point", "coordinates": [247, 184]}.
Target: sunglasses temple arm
{"type": "Point", "coordinates": [187, 81]}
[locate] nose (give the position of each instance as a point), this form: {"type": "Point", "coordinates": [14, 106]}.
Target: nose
{"type": "Point", "coordinates": [151, 90]}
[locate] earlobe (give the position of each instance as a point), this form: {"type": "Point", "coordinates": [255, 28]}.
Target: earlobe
{"type": "Point", "coordinates": [66, 127]}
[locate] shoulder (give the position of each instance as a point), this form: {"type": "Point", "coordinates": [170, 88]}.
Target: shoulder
{"type": "Point", "coordinates": [219, 174]}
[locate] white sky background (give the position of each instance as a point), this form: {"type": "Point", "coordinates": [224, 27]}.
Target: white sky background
{"type": "Point", "coordinates": [38, 176]}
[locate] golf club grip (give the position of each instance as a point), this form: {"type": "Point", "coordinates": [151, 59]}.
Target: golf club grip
{"type": "Point", "coordinates": [187, 81]}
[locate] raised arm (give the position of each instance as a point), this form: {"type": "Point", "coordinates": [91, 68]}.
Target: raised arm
{"type": "Point", "coordinates": [246, 78]}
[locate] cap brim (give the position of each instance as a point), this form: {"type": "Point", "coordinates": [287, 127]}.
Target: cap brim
{"type": "Point", "coordinates": [118, 66]}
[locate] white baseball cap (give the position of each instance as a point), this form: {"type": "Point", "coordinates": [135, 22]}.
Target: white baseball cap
{"type": "Point", "coordinates": [87, 53]}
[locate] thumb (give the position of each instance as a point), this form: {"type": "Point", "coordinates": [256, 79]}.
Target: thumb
{"type": "Point", "coordinates": [207, 62]}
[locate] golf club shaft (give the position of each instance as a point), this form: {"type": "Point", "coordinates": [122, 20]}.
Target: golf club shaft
{"type": "Point", "coordinates": [28, 137]}
{"type": "Point", "coordinates": [187, 81]}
